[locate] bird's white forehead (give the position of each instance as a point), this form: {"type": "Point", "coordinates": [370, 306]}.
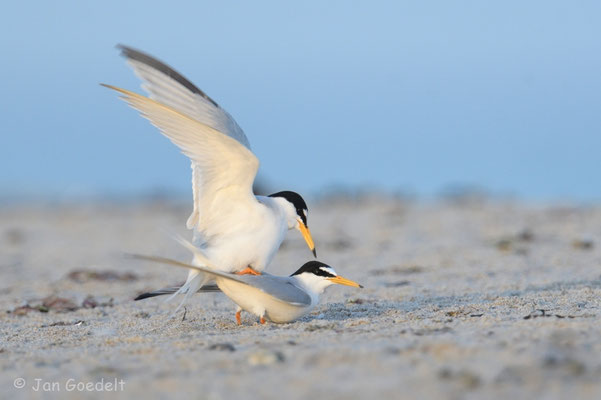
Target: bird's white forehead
{"type": "Point", "coordinates": [329, 270]}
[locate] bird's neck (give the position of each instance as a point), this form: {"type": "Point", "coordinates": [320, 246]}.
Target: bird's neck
{"type": "Point", "coordinates": [314, 289]}
{"type": "Point", "coordinates": [281, 207]}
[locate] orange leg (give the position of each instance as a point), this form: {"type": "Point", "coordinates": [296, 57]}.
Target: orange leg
{"type": "Point", "coordinates": [238, 321]}
{"type": "Point", "coordinates": [262, 320]}
{"type": "Point", "coordinates": [248, 271]}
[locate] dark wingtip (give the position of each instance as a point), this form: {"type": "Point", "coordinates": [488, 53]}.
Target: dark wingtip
{"type": "Point", "coordinates": [128, 52]}
{"type": "Point", "coordinates": [145, 58]}
{"type": "Point", "coordinates": [145, 296]}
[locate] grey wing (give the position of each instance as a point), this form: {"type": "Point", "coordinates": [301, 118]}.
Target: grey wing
{"type": "Point", "coordinates": [280, 287]}
{"type": "Point", "coordinates": [167, 86]}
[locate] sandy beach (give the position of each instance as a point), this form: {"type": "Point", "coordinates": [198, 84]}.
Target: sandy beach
{"type": "Point", "coordinates": [463, 299]}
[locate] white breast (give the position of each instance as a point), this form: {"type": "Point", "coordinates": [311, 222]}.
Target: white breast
{"type": "Point", "coordinates": [242, 236]}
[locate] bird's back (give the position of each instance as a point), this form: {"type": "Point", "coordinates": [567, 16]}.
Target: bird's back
{"type": "Point", "coordinates": [275, 297]}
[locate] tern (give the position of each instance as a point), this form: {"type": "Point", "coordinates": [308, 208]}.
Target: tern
{"type": "Point", "coordinates": [238, 231]}
{"type": "Point", "coordinates": [279, 299]}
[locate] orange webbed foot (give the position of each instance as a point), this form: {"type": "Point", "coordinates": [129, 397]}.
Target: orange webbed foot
{"type": "Point", "coordinates": [238, 319]}
{"type": "Point", "coordinates": [262, 320]}
{"type": "Point", "coordinates": [248, 271]}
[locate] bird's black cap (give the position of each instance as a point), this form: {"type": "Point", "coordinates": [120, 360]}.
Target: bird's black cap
{"type": "Point", "coordinates": [316, 268]}
{"type": "Point", "coordinates": [296, 200]}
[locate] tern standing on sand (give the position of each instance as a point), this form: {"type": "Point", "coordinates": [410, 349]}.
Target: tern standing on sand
{"type": "Point", "coordinates": [278, 299]}
{"type": "Point", "coordinates": [237, 231]}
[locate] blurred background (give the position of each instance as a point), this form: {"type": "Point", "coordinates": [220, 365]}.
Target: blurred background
{"type": "Point", "coordinates": [413, 97]}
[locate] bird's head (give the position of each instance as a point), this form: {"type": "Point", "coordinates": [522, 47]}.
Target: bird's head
{"type": "Point", "coordinates": [297, 212]}
{"type": "Point", "coordinates": [317, 276]}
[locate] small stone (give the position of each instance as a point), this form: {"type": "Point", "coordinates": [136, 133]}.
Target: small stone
{"type": "Point", "coordinates": [58, 304]}
{"type": "Point", "coordinates": [313, 328]}
{"type": "Point", "coordinates": [504, 245]}
{"type": "Point", "coordinates": [396, 284]}
{"type": "Point", "coordinates": [82, 276]}
{"type": "Point", "coordinates": [266, 357]}
{"type": "Point", "coordinates": [222, 347]}
{"type": "Point", "coordinates": [525, 236]}
{"type": "Point", "coordinates": [23, 310]}
{"type": "Point", "coordinates": [78, 322]}
{"type": "Point", "coordinates": [89, 302]}
{"type": "Point", "coordinates": [583, 244]}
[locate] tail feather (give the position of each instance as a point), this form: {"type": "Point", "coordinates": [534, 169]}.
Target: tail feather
{"type": "Point", "coordinates": [195, 281]}
{"type": "Point", "coordinates": [171, 290]}
{"type": "Point", "coordinates": [198, 277]}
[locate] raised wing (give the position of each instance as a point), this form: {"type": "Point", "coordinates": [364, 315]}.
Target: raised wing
{"type": "Point", "coordinates": [169, 87]}
{"type": "Point", "coordinates": [226, 165]}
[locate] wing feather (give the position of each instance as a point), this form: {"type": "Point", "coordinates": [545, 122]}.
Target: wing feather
{"type": "Point", "coordinates": [219, 161]}
{"type": "Point", "coordinates": [169, 87]}
{"type": "Point", "coordinates": [279, 287]}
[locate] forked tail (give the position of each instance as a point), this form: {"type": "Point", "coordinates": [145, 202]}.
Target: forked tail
{"type": "Point", "coordinates": [197, 278]}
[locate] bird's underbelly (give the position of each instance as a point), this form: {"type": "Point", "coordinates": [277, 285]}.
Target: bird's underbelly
{"type": "Point", "coordinates": [247, 245]}
{"type": "Point", "coordinates": [259, 303]}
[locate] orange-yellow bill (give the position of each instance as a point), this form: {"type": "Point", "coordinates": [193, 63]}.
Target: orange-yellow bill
{"type": "Point", "coordinates": [343, 281]}
{"type": "Point", "coordinates": [307, 235]}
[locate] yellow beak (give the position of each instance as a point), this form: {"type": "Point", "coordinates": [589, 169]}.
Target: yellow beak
{"type": "Point", "coordinates": [343, 281]}
{"type": "Point", "coordinates": [307, 235]}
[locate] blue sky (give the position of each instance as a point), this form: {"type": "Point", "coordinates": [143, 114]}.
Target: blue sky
{"type": "Point", "coordinates": [412, 96]}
